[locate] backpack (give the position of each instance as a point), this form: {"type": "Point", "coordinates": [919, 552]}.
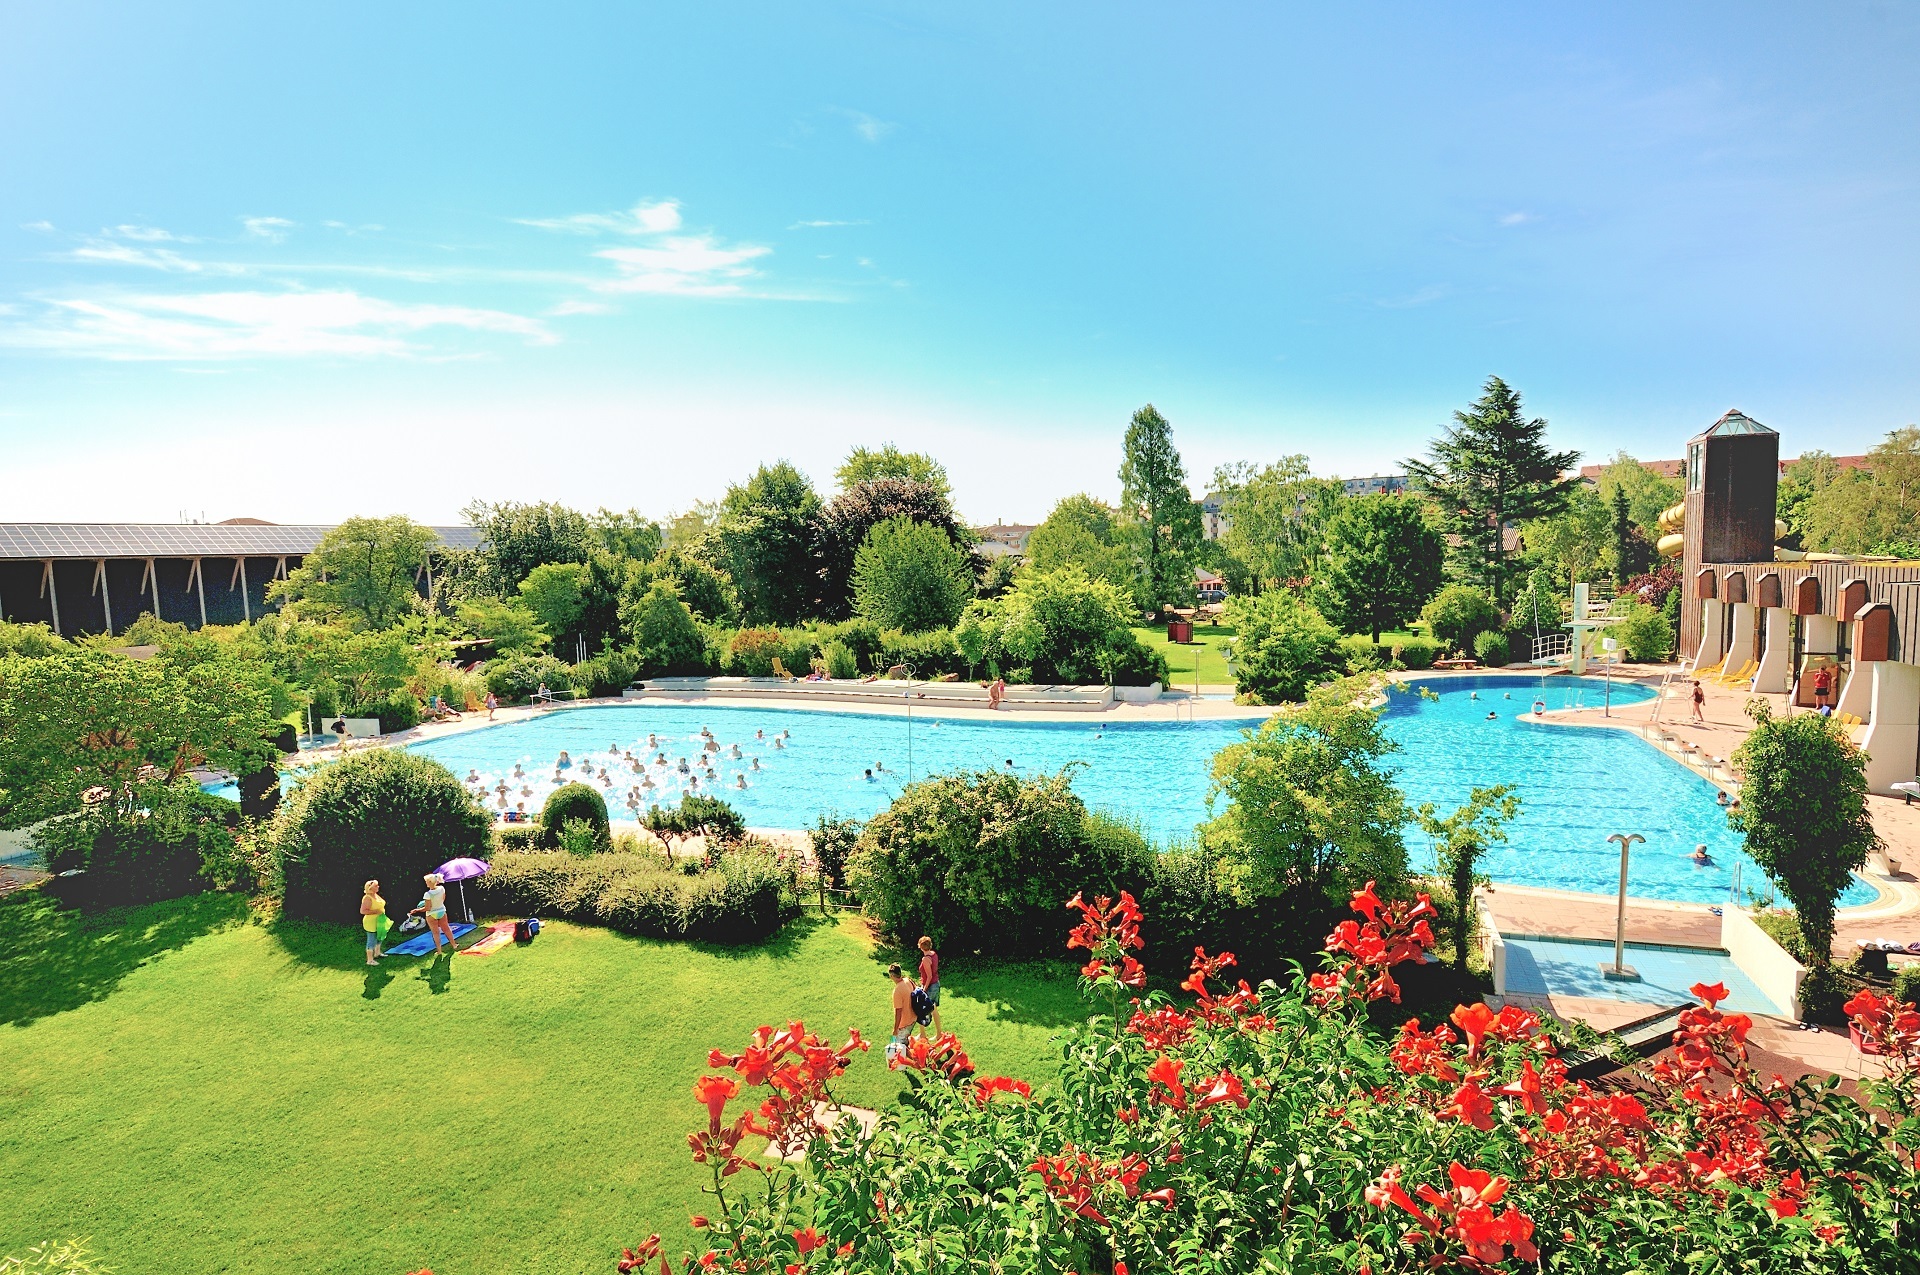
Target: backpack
{"type": "Point", "coordinates": [922, 1005]}
{"type": "Point", "coordinates": [523, 931]}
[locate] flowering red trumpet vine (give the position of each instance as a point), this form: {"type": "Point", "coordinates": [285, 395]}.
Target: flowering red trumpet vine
{"type": "Point", "coordinates": [1109, 932]}
{"type": "Point", "coordinates": [1075, 1179]}
{"type": "Point", "coordinates": [1392, 933]}
{"type": "Point", "coordinates": [1463, 1214]}
{"type": "Point", "coordinates": [941, 1054]}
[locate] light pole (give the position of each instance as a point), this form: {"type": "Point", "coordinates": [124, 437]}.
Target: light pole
{"type": "Point", "coordinates": [908, 696]}
{"type": "Point", "coordinates": [1620, 969]}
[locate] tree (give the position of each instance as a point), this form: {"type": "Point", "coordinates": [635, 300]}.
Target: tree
{"type": "Point", "coordinates": [704, 587]}
{"type": "Point", "coordinates": [1575, 543]}
{"type": "Point", "coordinates": [1811, 473]}
{"type": "Point", "coordinates": [1803, 811]}
{"type": "Point", "coordinates": [552, 591]}
{"type": "Point", "coordinates": [1459, 840]}
{"type": "Point", "coordinates": [1632, 555]}
{"type": "Point", "coordinates": [765, 537]}
{"type": "Point", "coordinates": [1645, 635]}
{"type": "Point", "coordinates": [1062, 626]}
{"type": "Point", "coordinates": [626, 535]}
{"type": "Point", "coordinates": [1649, 493]}
{"type": "Point", "coordinates": [908, 575]}
{"type": "Point", "coordinates": [83, 718]}
{"type": "Point", "coordinates": [1154, 496]}
{"type": "Point", "coordinates": [516, 538]}
{"type": "Point", "coordinates": [364, 571]}
{"type": "Point", "coordinates": [1490, 470]}
{"type": "Point", "coordinates": [1870, 511]}
{"type": "Point", "coordinates": [1089, 534]}
{"type": "Point", "coordinates": [1277, 519]}
{"type": "Point", "coordinates": [1282, 647]}
{"type": "Point", "coordinates": [1309, 807]}
{"type": "Point", "coordinates": [1459, 613]}
{"type": "Point", "coordinates": [663, 631]}
{"type": "Point", "coordinates": [510, 626]}
{"type": "Point", "coordinates": [1382, 563]}
{"type": "Point", "coordinates": [847, 519]}
{"type": "Point", "coordinates": [864, 465]}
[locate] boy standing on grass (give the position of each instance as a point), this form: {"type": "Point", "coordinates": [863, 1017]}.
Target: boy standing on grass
{"type": "Point", "coordinates": [902, 1011]}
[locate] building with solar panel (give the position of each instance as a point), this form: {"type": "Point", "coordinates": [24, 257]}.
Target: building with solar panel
{"type": "Point", "coordinates": [97, 577]}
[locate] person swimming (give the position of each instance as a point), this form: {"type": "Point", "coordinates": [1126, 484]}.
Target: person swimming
{"type": "Point", "coordinates": [473, 776]}
{"type": "Point", "coordinates": [1492, 716]}
{"type": "Point", "coordinates": [754, 765]}
{"type": "Point", "coordinates": [735, 751]}
{"type": "Point", "coordinates": [870, 778]}
{"type": "Point", "coordinates": [879, 765]}
{"type": "Point", "coordinates": [519, 771]}
{"type": "Point", "coordinates": [1508, 695]}
{"type": "Point", "coordinates": [759, 733]}
{"type": "Point", "coordinates": [779, 742]}
{"type": "Point", "coordinates": [682, 766]}
{"type": "Point", "coordinates": [739, 781]}
{"type": "Point", "coordinates": [1473, 695]}
{"type": "Point", "coordinates": [1721, 799]}
{"type": "Point", "coordinates": [565, 762]}
{"type": "Point", "coordinates": [653, 740]}
{"type": "Point", "coordinates": [1700, 856]}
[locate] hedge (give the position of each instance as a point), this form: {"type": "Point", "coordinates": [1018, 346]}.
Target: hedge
{"type": "Point", "coordinates": [154, 843]}
{"type": "Point", "coordinates": [751, 894]}
{"type": "Point", "coordinates": [387, 815]}
{"type": "Point", "coordinates": [573, 801]}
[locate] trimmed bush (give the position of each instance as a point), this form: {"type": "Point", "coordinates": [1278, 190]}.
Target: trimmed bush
{"type": "Point", "coordinates": [932, 654]}
{"type": "Point", "coordinates": [750, 894]}
{"type": "Point", "coordinates": [388, 815]}
{"type": "Point", "coordinates": [981, 861]}
{"type": "Point", "coordinates": [1457, 613]}
{"type": "Point", "coordinates": [1415, 653]}
{"type": "Point", "coordinates": [1906, 983]}
{"type": "Point", "coordinates": [1283, 648]}
{"type": "Point", "coordinates": [751, 652]}
{"type": "Point", "coordinates": [397, 711]}
{"type": "Point", "coordinates": [516, 677]}
{"type": "Point", "coordinates": [1490, 648]}
{"type": "Point", "coordinates": [607, 674]}
{"type": "Point", "coordinates": [1645, 635]}
{"type": "Point", "coordinates": [570, 802]}
{"type": "Point", "coordinates": [840, 659]}
{"type": "Point", "coordinates": [152, 843]}
{"type": "Point", "coordinates": [521, 839]}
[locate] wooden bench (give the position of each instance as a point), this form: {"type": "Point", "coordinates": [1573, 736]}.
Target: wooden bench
{"type": "Point", "coordinates": [1456, 664]}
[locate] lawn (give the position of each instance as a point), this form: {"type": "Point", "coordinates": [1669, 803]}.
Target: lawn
{"type": "Point", "coordinates": [199, 1092]}
{"type": "Point", "coordinates": [1208, 647]}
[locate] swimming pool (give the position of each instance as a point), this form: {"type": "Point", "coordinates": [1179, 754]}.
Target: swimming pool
{"type": "Point", "coordinates": [1577, 786]}
{"type": "Point", "coordinates": [1155, 773]}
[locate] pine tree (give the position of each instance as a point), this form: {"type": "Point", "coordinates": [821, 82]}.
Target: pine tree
{"type": "Point", "coordinates": [1629, 545]}
{"type": "Point", "coordinates": [1153, 492]}
{"type": "Point", "coordinates": [1492, 470]}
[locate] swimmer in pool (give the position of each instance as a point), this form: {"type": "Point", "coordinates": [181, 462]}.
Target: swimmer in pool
{"type": "Point", "coordinates": [565, 762]}
{"type": "Point", "coordinates": [870, 778]}
{"type": "Point", "coordinates": [759, 734]}
{"type": "Point", "coordinates": [1473, 695]}
{"type": "Point", "coordinates": [473, 776]}
{"type": "Point", "coordinates": [755, 765]}
{"type": "Point", "coordinates": [779, 742]}
{"type": "Point", "coordinates": [1492, 716]}
{"type": "Point", "coordinates": [1721, 799]}
{"type": "Point", "coordinates": [739, 781]}
{"type": "Point", "coordinates": [1700, 856]}
{"type": "Point", "coordinates": [705, 733]}
{"type": "Point", "coordinates": [735, 750]}
{"type": "Point", "coordinates": [1009, 763]}
{"type": "Point", "coordinates": [1508, 695]}
{"type": "Point", "coordinates": [519, 771]}
{"type": "Point", "coordinates": [682, 766]}
{"type": "Point", "coordinates": [879, 765]}
{"type": "Point", "coordinates": [652, 740]}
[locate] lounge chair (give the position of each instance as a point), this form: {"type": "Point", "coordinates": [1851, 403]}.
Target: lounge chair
{"type": "Point", "coordinates": [780, 671]}
{"type": "Point", "coordinates": [1710, 669]}
{"type": "Point", "coordinates": [1745, 674]}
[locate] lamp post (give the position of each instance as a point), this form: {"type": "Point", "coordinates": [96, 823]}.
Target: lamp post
{"type": "Point", "coordinates": [908, 696]}
{"type": "Point", "coordinates": [1620, 969]}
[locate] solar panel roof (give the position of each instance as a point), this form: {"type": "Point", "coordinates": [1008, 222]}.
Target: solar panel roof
{"type": "Point", "coordinates": [176, 540]}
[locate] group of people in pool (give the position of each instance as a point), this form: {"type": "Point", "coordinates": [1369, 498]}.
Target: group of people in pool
{"type": "Point", "coordinates": [656, 776]}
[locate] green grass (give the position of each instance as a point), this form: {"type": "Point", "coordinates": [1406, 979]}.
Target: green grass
{"type": "Point", "coordinates": [201, 1093]}
{"type": "Point", "coordinates": [1207, 647]}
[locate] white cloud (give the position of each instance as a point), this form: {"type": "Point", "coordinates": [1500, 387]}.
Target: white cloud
{"type": "Point", "coordinates": [236, 325]}
{"type": "Point", "coordinates": [799, 225]}
{"type": "Point", "coordinates": [645, 218]}
{"type": "Point", "coordinates": [1516, 218]}
{"type": "Point", "coordinates": [579, 307]}
{"type": "Point", "coordinates": [114, 253]}
{"type": "Point", "coordinates": [271, 229]}
{"type": "Point", "coordinates": [867, 126]}
{"type": "Point", "coordinates": [687, 265]}
{"type": "Point", "coordinates": [43, 227]}
{"type": "Point", "coordinates": [143, 234]}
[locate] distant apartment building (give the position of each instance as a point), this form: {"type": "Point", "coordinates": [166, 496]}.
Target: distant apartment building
{"type": "Point", "coordinates": [1214, 521]}
{"type": "Point", "coordinates": [1003, 538]}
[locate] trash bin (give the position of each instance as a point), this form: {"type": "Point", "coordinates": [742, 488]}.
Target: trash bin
{"type": "Point", "coordinates": [1179, 630]}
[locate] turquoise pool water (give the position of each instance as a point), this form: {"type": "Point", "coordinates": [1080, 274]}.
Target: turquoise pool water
{"type": "Point", "coordinates": [1577, 786]}
{"type": "Point", "coordinates": [1571, 967]}
{"type": "Point", "coordinates": [1155, 772]}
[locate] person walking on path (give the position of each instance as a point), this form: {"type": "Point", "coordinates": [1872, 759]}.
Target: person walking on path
{"type": "Point", "coordinates": [930, 981]}
{"type": "Point", "coordinates": [435, 903]}
{"type": "Point", "coordinates": [493, 702]}
{"type": "Point", "coordinates": [902, 1011]}
{"type": "Point", "coordinates": [373, 919]}
{"type": "Point", "coordinates": [1699, 703]}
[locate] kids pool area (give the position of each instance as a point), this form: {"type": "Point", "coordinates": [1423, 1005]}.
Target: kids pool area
{"type": "Point", "coordinates": [1577, 785]}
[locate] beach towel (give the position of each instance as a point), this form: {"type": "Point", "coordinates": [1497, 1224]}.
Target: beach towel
{"type": "Point", "coordinates": [499, 935]}
{"type": "Point", "coordinates": [421, 944]}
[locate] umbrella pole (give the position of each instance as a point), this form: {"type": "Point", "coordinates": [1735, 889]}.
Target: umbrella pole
{"type": "Point", "coordinates": [463, 903]}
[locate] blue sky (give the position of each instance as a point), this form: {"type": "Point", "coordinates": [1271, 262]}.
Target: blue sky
{"type": "Point", "coordinates": [299, 264]}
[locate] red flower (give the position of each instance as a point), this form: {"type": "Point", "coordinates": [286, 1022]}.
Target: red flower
{"type": "Point", "coordinates": [808, 1240]}
{"type": "Point", "coordinates": [1711, 993]}
{"type": "Point", "coordinates": [715, 1091]}
{"type": "Point", "coordinates": [1165, 1074]}
{"type": "Point", "coordinates": [1474, 1020]}
{"type": "Point", "coordinates": [1785, 1201]}
{"type": "Point", "coordinates": [1367, 903]}
{"type": "Point", "coordinates": [1469, 1105]}
{"type": "Point", "coordinates": [984, 1090]}
{"type": "Point", "coordinates": [631, 1259]}
{"type": "Point", "coordinates": [1224, 1087]}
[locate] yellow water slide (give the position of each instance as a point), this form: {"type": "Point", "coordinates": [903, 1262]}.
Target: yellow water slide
{"type": "Point", "coordinates": [1673, 539]}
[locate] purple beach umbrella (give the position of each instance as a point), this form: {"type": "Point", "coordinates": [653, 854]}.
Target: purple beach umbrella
{"type": "Point", "coordinates": [460, 870]}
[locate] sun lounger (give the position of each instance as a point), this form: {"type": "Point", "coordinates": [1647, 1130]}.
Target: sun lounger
{"type": "Point", "coordinates": [780, 671]}
{"type": "Point", "coordinates": [1908, 788]}
{"type": "Point", "coordinates": [1744, 674]}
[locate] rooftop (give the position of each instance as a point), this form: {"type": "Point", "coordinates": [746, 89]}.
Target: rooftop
{"type": "Point", "coordinates": [248, 538]}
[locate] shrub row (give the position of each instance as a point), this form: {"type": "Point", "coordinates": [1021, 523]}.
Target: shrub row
{"type": "Point", "coordinates": [749, 895]}
{"type": "Point", "coordinates": [1394, 653]}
